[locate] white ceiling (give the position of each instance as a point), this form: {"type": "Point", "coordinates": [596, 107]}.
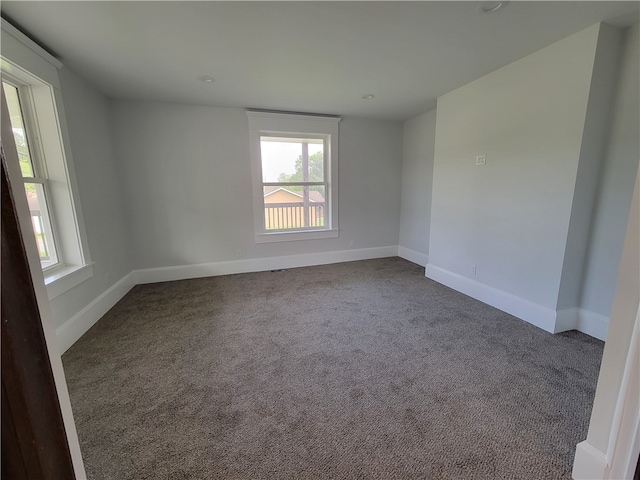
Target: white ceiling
{"type": "Point", "coordinates": [318, 57]}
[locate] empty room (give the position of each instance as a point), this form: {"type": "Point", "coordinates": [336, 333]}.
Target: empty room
{"type": "Point", "coordinates": [320, 240]}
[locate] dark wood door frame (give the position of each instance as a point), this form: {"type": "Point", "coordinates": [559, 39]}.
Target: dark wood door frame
{"type": "Point", "coordinates": [34, 441]}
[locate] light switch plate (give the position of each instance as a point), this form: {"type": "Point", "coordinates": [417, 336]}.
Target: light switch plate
{"type": "Point", "coordinates": [481, 160]}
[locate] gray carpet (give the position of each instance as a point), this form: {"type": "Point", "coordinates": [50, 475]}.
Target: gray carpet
{"type": "Point", "coordinates": [356, 370]}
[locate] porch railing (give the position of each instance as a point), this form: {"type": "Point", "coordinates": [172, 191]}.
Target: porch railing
{"type": "Point", "coordinates": [278, 216]}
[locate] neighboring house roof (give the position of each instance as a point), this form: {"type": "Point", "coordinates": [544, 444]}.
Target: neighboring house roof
{"type": "Point", "coordinates": [313, 195]}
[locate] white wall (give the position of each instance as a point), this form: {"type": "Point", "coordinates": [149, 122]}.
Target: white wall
{"type": "Point", "coordinates": [90, 164]}
{"type": "Point", "coordinates": [187, 180]}
{"type": "Point", "coordinates": [100, 193]}
{"type": "Point", "coordinates": [417, 178]}
{"type": "Point", "coordinates": [612, 445]}
{"type": "Point", "coordinates": [510, 218]}
{"type": "Point", "coordinates": [615, 185]}
{"type": "Point", "coordinates": [592, 151]}
{"type": "Point", "coordinates": [625, 143]}
{"type": "Point", "coordinates": [96, 183]}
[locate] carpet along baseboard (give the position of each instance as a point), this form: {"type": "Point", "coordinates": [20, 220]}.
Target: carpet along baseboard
{"type": "Point", "coordinates": [584, 321]}
{"type": "Point", "coordinates": [167, 274]}
{"type": "Point", "coordinates": [587, 322]}
{"type": "Point", "coordinates": [413, 256]}
{"type": "Point", "coordinates": [546, 318]}
{"type": "Point", "coordinates": [526, 310]}
{"type": "Point", "coordinates": [71, 330]}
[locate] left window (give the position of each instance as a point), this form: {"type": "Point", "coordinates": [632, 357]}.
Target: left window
{"type": "Point", "coordinates": [33, 170]}
{"type": "Point", "coordinates": [44, 168]}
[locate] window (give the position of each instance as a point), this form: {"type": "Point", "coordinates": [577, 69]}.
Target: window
{"type": "Point", "coordinates": [293, 182]}
{"type": "Point", "coordinates": [295, 176]}
{"type": "Point", "coordinates": [31, 88]}
{"type": "Point", "coordinates": [33, 174]}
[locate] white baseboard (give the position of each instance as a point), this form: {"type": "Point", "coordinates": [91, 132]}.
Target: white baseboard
{"type": "Point", "coordinates": [167, 274]}
{"type": "Point", "coordinates": [416, 257]}
{"type": "Point", "coordinates": [567, 319]}
{"type": "Point", "coordinates": [584, 321]}
{"type": "Point", "coordinates": [71, 330]}
{"type": "Point", "coordinates": [538, 315]}
{"type": "Point", "coordinates": [589, 463]}
{"type": "Point", "coordinates": [526, 310]}
{"type": "Point", "coordinates": [590, 323]}
{"type": "Point", "coordinates": [593, 324]}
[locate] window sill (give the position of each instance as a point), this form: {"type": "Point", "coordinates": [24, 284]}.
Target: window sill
{"type": "Point", "coordinates": [294, 236]}
{"type": "Point", "coordinates": [66, 277]}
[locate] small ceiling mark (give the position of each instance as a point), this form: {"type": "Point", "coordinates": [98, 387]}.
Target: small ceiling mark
{"type": "Point", "coordinates": [490, 7]}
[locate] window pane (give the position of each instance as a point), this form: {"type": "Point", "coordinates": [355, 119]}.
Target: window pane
{"type": "Point", "coordinates": [41, 224]}
{"type": "Point", "coordinates": [292, 159]}
{"type": "Point", "coordinates": [294, 207]}
{"type": "Point", "coordinates": [19, 132]}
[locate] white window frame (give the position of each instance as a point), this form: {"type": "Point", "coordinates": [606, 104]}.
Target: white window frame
{"type": "Point", "coordinates": [33, 70]}
{"type": "Point", "coordinates": [38, 166]}
{"type": "Point", "coordinates": [262, 123]}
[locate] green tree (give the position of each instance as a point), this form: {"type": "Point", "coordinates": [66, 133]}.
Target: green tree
{"type": "Point", "coordinates": [316, 171]}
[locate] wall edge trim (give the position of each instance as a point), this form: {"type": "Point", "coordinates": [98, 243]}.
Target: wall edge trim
{"type": "Point", "coordinates": [70, 331]}
{"type": "Point", "coordinates": [593, 324]}
{"type": "Point", "coordinates": [579, 319]}
{"type": "Point", "coordinates": [533, 313]}
{"type": "Point", "coordinates": [567, 319]}
{"type": "Point", "coordinates": [183, 272]}
{"type": "Point", "coordinates": [420, 258]}
{"type": "Point", "coordinates": [590, 463]}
